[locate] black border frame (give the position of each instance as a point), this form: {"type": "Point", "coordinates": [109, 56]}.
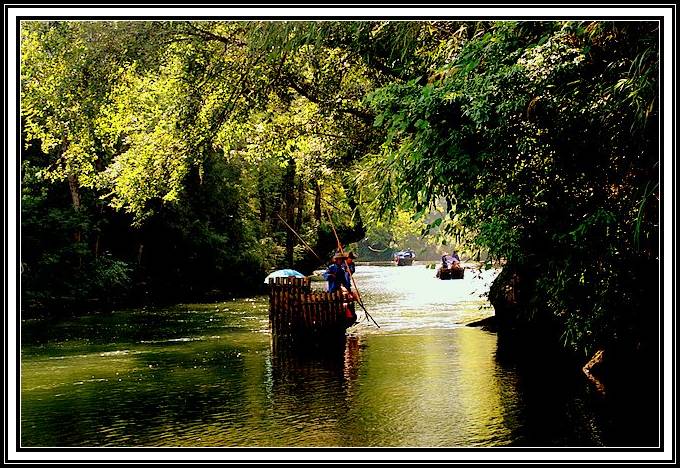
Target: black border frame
{"type": "Point", "coordinates": [357, 18]}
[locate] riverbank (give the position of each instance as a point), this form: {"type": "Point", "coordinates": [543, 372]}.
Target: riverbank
{"type": "Point", "coordinates": [487, 324]}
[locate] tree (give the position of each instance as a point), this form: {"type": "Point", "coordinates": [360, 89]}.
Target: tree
{"type": "Point", "coordinates": [543, 138]}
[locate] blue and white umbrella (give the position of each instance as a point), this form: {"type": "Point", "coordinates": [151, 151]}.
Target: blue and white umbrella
{"type": "Point", "coordinates": [283, 273]}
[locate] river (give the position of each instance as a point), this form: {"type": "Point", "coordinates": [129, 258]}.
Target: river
{"type": "Point", "coordinates": [208, 375]}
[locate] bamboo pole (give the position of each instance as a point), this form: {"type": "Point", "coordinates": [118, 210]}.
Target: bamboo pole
{"type": "Point", "coordinates": [301, 239]}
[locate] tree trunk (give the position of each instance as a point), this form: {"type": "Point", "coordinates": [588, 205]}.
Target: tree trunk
{"type": "Point", "coordinates": [262, 197]}
{"type": "Point", "coordinates": [72, 180]}
{"type": "Point", "coordinates": [75, 198]}
{"type": "Point", "coordinates": [71, 177]}
{"type": "Point", "coordinates": [139, 253]}
{"type": "Point", "coordinates": [359, 229]}
{"type": "Point", "coordinates": [317, 202]}
{"type": "Point", "coordinates": [73, 188]}
{"type": "Point", "coordinates": [591, 368]}
{"type": "Point", "coordinates": [300, 204]}
{"type": "Point", "coordinates": [289, 187]}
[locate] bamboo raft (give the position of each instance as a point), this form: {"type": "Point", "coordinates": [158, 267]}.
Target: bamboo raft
{"type": "Point", "coordinates": [296, 310]}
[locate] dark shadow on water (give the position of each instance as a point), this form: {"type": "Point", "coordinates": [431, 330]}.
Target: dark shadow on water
{"type": "Point", "coordinates": [164, 397]}
{"type": "Point", "coordinates": [562, 408]}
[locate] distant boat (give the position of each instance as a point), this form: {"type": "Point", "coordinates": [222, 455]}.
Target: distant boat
{"type": "Point", "coordinates": [404, 257]}
{"type": "Point", "coordinates": [455, 271]}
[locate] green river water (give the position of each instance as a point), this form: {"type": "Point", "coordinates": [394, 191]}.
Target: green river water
{"type": "Point", "coordinates": [209, 375]}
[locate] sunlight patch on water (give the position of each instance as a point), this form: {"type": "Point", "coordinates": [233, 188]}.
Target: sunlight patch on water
{"type": "Point", "coordinates": [412, 298]}
{"type": "Point", "coordinates": [175, 340]}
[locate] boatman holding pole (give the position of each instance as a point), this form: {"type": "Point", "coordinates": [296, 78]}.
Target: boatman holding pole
{"type": "Point", "coordinates": [336, 275]}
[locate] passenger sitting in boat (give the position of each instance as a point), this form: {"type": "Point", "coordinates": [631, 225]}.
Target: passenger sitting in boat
{"type": "Point", "coordinates": [350, 267]}
{"type": "Point", "coordinates": [455, 260]}
{"type": "Point", "coordinates": [350, 262]}
{"type": "Point", "coordinates": [445, 263]}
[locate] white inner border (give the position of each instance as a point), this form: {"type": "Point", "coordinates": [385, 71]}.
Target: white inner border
{"type": "Point", "coordinates": [562, 12]}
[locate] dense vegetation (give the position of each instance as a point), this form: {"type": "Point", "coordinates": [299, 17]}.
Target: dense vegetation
{"type": "Point", "coordinates": [543, 137]}
{"type": "Point", "coordinates": [164, 159]}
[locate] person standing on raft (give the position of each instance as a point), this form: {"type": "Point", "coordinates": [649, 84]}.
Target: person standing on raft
{"type": "Point", "coordinates": [339, 278]}
{"type": "Point", "coordinates": [336, 275]}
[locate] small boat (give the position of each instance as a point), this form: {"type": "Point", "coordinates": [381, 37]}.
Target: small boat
{"type": "Point", "coordinates": [455, 271]}
{"type": "Point", "coordinates": [404, 257]}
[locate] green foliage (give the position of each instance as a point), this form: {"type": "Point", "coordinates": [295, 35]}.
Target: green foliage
{"type": "Point", "coordinates": [67, 72]}
{"type": "Point", "coordinates": [59, 269]}
{"type": "Point", "coordinates": [542, 136]}
{"type": "Point", "coordinates": [173, 138]}
{"type": "Point", "coordinates": [182, 142]}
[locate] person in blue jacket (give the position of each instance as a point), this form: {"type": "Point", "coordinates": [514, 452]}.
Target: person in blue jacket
{"type": "Point", "coordinates": [336, 275]}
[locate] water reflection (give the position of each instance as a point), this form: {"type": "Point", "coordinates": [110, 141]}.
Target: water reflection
{"type": "Point", "coordinates": [211, 375]}
{"type": "Point", "coordinates": [310, 388]}
{"type": "Point", "coordinates": [439, 389]}
{"type": "Point", "coordinates": [334, 360]}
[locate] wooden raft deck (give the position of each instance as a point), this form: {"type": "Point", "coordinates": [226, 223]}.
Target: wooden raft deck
{"type": "Point", "coordinates": [294, 309]}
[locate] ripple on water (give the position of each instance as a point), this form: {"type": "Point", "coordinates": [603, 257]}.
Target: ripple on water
{"type": "Point", "coordinates": [422, 379]}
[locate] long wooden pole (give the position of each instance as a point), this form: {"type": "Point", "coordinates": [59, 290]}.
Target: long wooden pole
{"type": "Point", "coordinates": [361, 303]}
{"type": "Point", "coordinates": [301, 239]}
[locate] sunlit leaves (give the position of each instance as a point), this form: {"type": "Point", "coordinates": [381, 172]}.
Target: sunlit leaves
{"type": "Point", "coordinates": [67, 70]}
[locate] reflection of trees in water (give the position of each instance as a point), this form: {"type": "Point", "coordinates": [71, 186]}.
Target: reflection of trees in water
{"type": "Point", "coordinates": [549, 393]}
{"type": "Point", "coordinates": [314, 376]}
{"type": "Point", "coordinates": [560, 406]}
